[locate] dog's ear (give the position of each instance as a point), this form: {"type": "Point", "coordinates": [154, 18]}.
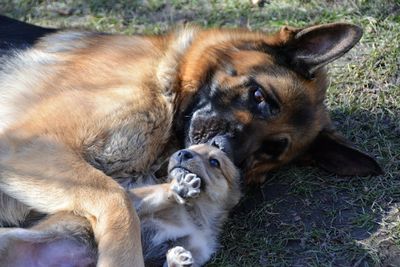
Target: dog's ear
{"type": "Point", "coordinates": [313, 47]}
{"type": "Point", "coordinates": [332, 152]}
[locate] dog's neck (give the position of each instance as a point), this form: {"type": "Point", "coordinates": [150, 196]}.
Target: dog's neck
{"type": "Point", "coordinates": [167, 73]}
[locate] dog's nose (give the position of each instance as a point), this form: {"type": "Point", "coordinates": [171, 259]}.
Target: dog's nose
{"type": "Point", "coordinates": [184, 155]}
{"type": "Point", "coordinates": [223, 142]}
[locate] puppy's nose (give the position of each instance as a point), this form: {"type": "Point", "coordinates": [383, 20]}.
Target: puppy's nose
{"type": "Point", "coordinates": [184, 155]}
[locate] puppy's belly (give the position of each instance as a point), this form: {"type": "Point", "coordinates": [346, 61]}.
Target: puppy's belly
{"type": "Point", "coordinates": [161, 234]}
{"type": "Point", "coordinates": [154, 254]}
{"type": "Point", "coordinates": [12, 212]}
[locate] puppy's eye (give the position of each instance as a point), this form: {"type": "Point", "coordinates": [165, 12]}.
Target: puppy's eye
{"type": "Point", "coordinates": [214, 163]}
{"type": "Point", "coordinates": [258, 96]}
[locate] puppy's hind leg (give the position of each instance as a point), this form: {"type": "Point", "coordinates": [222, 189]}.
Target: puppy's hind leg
{"type": "Point", "coordinates": [179, 257]}
{"type": "Point", "coordinates": [44, 174]}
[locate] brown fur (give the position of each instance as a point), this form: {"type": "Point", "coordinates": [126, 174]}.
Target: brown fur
{"type": "Point", "coordinates": [79, 108]}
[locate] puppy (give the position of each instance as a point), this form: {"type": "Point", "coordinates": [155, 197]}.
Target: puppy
{"type": "Point", "coordinates": [180, 220]}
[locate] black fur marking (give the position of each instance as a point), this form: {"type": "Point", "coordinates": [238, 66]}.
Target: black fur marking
{"type": "Point", "coordinates": [274, 148]}
{"type": "Point", "coordinates": [155, 255]}
{"type": "Point", "coordinates": [19, 35]}
{"type": "Point", "coordinates": [303, 115]}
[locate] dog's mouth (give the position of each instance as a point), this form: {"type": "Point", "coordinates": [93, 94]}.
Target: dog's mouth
{"type": "Point", "coordinates": [213, 130]}
{"type": "Point", "coordinates": [203, 129]}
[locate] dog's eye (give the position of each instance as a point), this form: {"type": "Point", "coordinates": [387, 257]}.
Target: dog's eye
{"type": "Point", "coordinates": [214, 163]}
{"type": "Point", "coordinates": [260, 102]}
{"type": "Point", "coordinates": [263, 104]}
{"type": "Point", "coordinates": [258, 96]}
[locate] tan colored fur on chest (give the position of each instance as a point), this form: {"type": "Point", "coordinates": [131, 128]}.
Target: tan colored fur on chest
{"type": "Point", "coordinates": [133, 137]}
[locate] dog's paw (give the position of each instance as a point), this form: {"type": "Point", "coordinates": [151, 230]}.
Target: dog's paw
{"type": "Point", "coordinates": [186, 186]}
{"type": "Point", "coordinates": [179, 257]}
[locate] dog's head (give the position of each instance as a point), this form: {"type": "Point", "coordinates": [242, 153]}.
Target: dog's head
{"type": "Point", "coordinates": [261, 97]}
{"type": "Point", "coordinates": [220, 179]}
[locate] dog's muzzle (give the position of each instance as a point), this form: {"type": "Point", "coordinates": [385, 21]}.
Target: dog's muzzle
{"type": "Point", "coordinates": [224, 143]}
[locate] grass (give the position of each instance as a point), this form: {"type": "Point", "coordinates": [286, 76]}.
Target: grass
{"type": "Point", "coordinates": [301, 216]}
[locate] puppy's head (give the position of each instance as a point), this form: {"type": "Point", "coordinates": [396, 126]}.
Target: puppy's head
{"type": "Point", "coordinates": [263, 96]}
{"type": "Point", "coordinates": [220, 179]}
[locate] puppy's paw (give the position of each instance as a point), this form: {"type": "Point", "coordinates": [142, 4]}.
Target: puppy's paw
{"type": "Point", "coordinates": [186, 186]}
{"type": "Point", "coordinates": [179, 257]}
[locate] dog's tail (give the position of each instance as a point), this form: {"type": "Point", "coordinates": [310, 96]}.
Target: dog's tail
{"type": "Point", "coordinates": [15, 34]}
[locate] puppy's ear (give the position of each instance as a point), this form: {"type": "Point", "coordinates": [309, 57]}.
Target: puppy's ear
{"type": "Point", "coordinates": [313, 47]}
{"type": "Point", "coordinates": [332, 152]}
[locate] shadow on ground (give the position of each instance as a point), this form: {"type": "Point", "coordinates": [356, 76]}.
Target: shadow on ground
{"type": "Point", "coordinates": [303, 216]}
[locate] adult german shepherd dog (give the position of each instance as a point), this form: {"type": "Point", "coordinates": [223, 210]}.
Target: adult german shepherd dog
{"type": "Point", "coordinates": [78, 109]}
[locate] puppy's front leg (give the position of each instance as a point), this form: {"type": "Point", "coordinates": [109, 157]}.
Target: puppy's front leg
{"type": "Point", "coordinates": [150, 199]}
{"type": "Point", "coordinates": [50, 177]}
{"type": "Point", "coordinates": [153, 198]}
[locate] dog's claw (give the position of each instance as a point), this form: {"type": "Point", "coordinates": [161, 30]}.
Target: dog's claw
{"type": "Point", "coordinates": [186, 186]}
{"type": "Point", "coordinates": [179, 257]}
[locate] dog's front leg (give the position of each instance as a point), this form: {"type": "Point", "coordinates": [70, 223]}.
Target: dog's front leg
{"type": "Point", "coordinates": [50, 177]}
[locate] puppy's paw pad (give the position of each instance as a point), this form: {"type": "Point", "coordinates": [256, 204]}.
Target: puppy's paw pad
{"type": "Point", "coordinates": [189, 186]}
{"type": "Point", "coordinates": [179, 257]}
{"type": "Point", "coordinates": [192, 180]}
{"type": "Point", "coordinates": [186, 186]}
